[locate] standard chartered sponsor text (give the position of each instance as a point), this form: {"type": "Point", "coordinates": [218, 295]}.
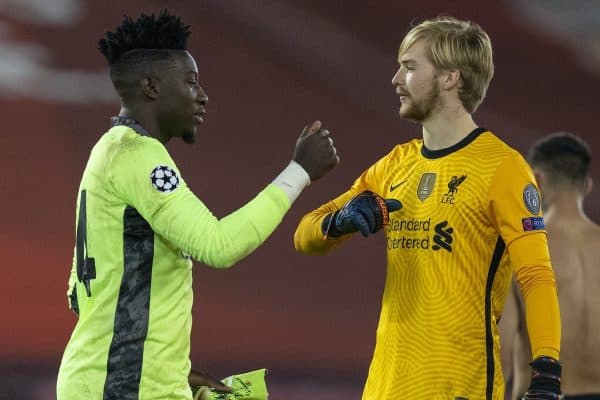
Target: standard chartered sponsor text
{"type": "Point", "coordinates": [415, 241]}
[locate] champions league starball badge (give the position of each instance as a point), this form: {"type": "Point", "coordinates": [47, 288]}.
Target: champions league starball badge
{"type": "Point", "coordinates": [164, 179]}
{"type": "Point", "coordinates": [531, 197]}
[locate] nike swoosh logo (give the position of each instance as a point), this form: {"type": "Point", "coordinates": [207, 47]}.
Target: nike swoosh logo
{"type": "Point", "coordinates": [394, 187]}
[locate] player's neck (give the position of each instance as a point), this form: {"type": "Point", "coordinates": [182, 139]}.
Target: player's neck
{"type": "Point", "coordinates": [564, 207]}
{"type": "Point", "coordinates": [146, 120]}
{"type": "Point", "coordinates": [446, 128]}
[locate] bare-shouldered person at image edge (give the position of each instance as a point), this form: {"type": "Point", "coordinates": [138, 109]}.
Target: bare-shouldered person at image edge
{"type": "Point", "coordinates": [561, 164]}
{"type": "Point", "coordinates": [470, 218]}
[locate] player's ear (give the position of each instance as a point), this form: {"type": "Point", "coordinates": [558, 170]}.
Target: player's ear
{"type": "Point", "coordinates": [150, 87]}
{"type": "Point", "coordinates": [588, 184]}
{"type": "Point", "coordinates": [451, 78]}
{"type": "Point", "coordinates": [539, 178]}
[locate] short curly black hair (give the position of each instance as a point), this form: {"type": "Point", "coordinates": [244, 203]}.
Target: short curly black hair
{"type": "Point", "coordinates": [563, 156]}
{"type": "Point", "coordinates": [146, 34]}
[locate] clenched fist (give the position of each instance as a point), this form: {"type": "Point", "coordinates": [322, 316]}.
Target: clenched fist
{"type": "Point", "coordinates": [315, 151]}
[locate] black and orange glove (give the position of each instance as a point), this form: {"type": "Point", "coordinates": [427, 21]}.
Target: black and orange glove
{"type": "Point", "coordinates": [366, 212]}
{"type": "Point", "coordinates": [545, 380]}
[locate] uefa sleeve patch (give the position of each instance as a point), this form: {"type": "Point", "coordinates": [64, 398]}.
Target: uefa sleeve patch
{"type": "Point", "coordinates": [164, 179]}
{"type": "Point", "coordinates": [531, 197]}
{"type": "Point", "coordinates": [533, 224]}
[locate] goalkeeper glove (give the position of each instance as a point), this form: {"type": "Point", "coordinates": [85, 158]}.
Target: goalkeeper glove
{"type": "Point", "coordinates": [545, 380]}
{"type": "Point", "coordinates": [367, 212]}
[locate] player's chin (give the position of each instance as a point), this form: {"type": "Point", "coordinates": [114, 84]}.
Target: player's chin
{"type": "Point", "coordinates": [189, 136]}
{"type": "Point", "coordinates": [405, 112]}
{"type": "Point", "coordinates": [405, 108]}
{"type": "Point", "coordinates": [411, 115]}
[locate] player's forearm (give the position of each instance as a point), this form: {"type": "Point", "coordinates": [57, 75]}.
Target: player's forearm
{"type": "Point", "coordinates": [258, 219]}
{"type": "Point", "coordinates": [534, 274]}
{"type": "Point", "coordinates": [541, 309]}
{"type": "Point", "coordinates": [543, 321]}
{"type": "Point", "coordinates": [309, 237]}
{"type": "Point", "coordinates": [222, 243]}
{"type": "Point", "coordinates": [189, 224]}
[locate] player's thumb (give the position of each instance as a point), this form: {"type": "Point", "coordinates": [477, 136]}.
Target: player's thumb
{"type": "Point", "coordinates": [310, 129]}
{"type": "Point", "coordinates": [393, 205]}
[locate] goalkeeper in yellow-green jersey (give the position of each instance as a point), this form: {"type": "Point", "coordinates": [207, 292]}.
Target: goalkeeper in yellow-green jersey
{"type": "Point", "coordinates": [467, 216]}
{"type": "Point", "coordinates": [139, 225]}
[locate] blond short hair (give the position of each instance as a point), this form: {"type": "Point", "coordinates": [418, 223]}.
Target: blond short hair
{"type": "Point", "coordinates": [457, 45]}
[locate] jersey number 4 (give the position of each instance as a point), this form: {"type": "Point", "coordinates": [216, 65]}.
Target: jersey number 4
{"type": "Point", "coordinates": [86, 267]}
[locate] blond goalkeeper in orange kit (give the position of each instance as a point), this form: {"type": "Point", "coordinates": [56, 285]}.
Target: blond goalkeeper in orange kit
{"type": "Point", "coordinates": [470, 218]}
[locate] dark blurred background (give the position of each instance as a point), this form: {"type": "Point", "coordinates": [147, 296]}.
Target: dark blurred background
{"type": "Point", "coordinates": [269, 68]}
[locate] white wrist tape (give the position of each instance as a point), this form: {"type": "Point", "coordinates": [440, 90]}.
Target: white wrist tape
{"type": "Point", "coordinates": [292, 180]}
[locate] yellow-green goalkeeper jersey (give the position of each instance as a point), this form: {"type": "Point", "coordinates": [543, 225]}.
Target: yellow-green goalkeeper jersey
{"type": "Point", "coordinates": [447, 269]}
{"type": "Point", "coordinates": [138, 226]}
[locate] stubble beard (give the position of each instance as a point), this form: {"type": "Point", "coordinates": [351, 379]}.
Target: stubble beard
{"type": "Point", "coordinates": [420, 111]}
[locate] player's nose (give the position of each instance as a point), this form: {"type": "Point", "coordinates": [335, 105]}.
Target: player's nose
{"type": "Point", "coordinates": [397, 78]}
{"type": "Point", "coordinates": [201, 97]}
